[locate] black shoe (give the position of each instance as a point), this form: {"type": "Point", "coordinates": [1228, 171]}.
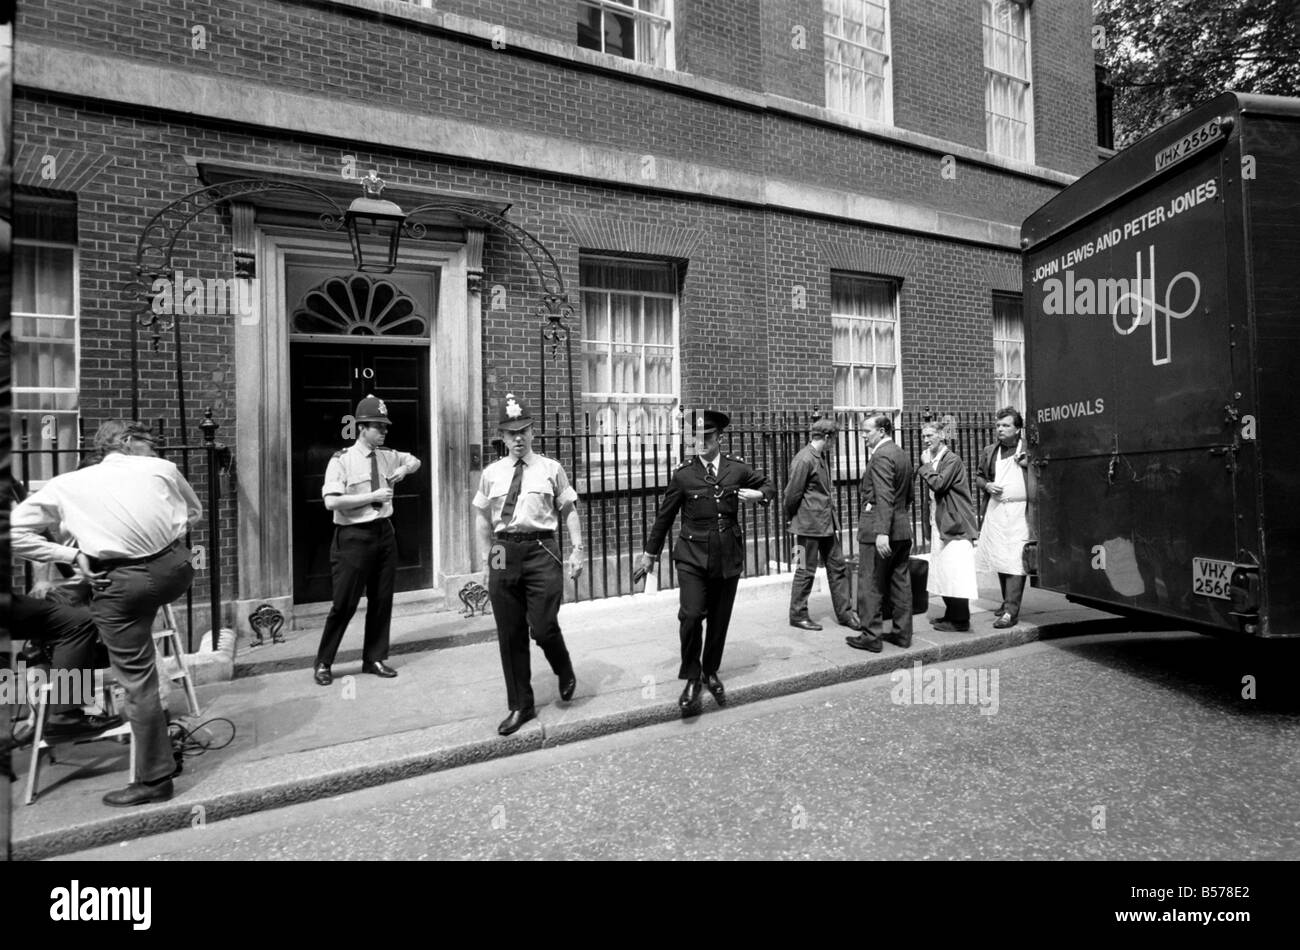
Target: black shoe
{"type": "Point", "coordinates": [898, 640]}
{"type": "Point", "coordinates": [140, 794]}
{"type": "Point", "coordinates": [323, 675]}
{"type": "Point", "coordinates": [568, 683]}
{"type": "Point", "coordinates": [948, 626]}
{"type": "Point", "coordinates": [1004, 621]}
{"type": "Point", "coordinates": [83, 727]}
{"type": "Point", "coordinates": [715, 687]}
{"type": "Point", "coordinates": [379, 668]}
{"type": "Point", "coordinates": [805, 625]}
{"type": "Point", "coordinates": [851, 621]}
{"type": "Point", "coordinates": [864, 642]}
{"type": "Point", "coordinates": [516, 719]}
{"type": "Point", "coordinates": [690, 698]}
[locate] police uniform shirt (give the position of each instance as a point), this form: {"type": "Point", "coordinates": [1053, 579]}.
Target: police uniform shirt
{"type": "Point", "coordinates": [348, 473]}
{"type": "Point", "coordinates": [543, 491]}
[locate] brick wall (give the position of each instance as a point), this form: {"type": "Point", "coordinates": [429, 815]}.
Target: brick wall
{"type": "Point", "coordinates": [938, 59]}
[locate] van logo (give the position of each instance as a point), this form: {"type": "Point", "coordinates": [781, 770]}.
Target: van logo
{"type": "Point", "coordinates": [1144, 311]}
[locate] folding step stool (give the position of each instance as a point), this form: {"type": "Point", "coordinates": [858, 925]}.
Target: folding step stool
{"type": "Point", "coordinates": [122, 732]}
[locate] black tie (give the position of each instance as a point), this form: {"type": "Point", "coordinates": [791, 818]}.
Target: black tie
{"type": "Point", "coordinates": [512, 496]}
{"type": "Point", "coordinates": [374, 479]}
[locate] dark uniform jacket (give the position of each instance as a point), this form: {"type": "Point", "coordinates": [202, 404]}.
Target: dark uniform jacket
{"type": "Point", "coordinates": [887, 489]}
{"type": "Point", "coordinates": [711, 538]}
{"type": "Point", "coordinates": [954, 511]}
{"type": "Point", "coordinates": [808, 504]}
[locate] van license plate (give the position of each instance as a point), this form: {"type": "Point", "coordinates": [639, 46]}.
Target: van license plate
{"type": "Point", "coordinates": [1211, 578]}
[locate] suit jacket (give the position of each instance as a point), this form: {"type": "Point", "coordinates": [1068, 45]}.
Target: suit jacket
{"type": "Point", "coordinates": [711, 537]}
{"type": "Point", "coordinates": [887, 488]}
{"type": "Point", "coordinates": [954, 511]}
{"type": "Point", "coordinates": [809, 506]}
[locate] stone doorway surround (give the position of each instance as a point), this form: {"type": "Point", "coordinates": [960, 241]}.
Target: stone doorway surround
{"type": "Point", "coordinates": [262, 437]}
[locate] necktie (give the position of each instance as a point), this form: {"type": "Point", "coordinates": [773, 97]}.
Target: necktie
{"type": "Point", "coordinates": [512, 496]}
{"type": "Point", "coordinates": [374, 479]}
{"type": "Point", "coordinates": [711, 476]}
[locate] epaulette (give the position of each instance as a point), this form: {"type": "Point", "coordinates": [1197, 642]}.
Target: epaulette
{"type": "Point", "coordinates": [736, 458]}
{"type": "Point", "coordinates": [686, 463]}
{"type": "Point", "coordinates": [339, 454]}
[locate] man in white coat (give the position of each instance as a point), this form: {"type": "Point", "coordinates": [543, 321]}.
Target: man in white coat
{"type": "Point", "coordinates": [1005, 531]}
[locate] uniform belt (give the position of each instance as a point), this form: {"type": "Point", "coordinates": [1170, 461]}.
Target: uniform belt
{"type": "Point", "coordinates": [112, 564]}
{"type": "Point", "coordinates": [525, 535]}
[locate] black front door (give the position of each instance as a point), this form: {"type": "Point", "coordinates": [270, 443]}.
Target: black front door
{"type": "Point", "coordinates": [327, 380]}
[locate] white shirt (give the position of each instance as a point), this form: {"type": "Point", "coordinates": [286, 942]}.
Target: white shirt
{"type": "Point", "coordinates": [127, 506]}
{"type": "Point", "coordinates": [348, 473]}
{"type": "Point", "coordinates": [543, 490]}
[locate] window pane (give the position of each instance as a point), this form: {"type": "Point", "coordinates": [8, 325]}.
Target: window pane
{"type": "Point", "coordinates": [42, 279]}
{"type": "Point", "coordinates": [620, 35]}
{"type": "Point", "coordinates": [841, 342]}
{"type": "Point", "coordinates": [596, 360]}
{"type": "Point", "coordinates": [843, 397]}
{"type": "Point", "coordinates": [885, 352]}
{"type": "Point", "coordinates": [865, 394]}
{"type": "Point", "coordinates": [589, 31]}
{"type": "Point", "coordinates": [1015, 367]}
{"type": "Point", "coordinates": [999, 360]}
{"type": "Point", "coordinates": [595, 316]}
{"type": "Point", "coordinates": [885, 388]}
{"type": "Point", "coordinates": [864, 350]}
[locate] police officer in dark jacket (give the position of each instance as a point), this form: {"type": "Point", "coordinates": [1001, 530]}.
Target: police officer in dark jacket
{"type": "Point", "coordinates": [710, 551]}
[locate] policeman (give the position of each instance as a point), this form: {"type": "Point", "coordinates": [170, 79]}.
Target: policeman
{"type": "Point", "coordinates": [710, 550]}
{"type": "Point", "coordinates": [520, 500]}
{"type": "Point", "coordinates": [363, 555]}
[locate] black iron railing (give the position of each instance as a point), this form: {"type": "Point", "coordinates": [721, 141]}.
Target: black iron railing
{"type": "Point", "coordinates": [621, 476]}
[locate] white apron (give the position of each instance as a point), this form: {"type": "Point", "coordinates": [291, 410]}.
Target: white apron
{"type": "Point", "coordinates": [952, 564]}
{"type": "Point", "coordinates": [1006, 526]}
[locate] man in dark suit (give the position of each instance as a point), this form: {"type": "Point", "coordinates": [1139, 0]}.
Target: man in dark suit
{"type": "Point", "coordinates": [810, 508]}
{"type": "Point", "coordinates": [710, 551]}
{"type": "Point", "coordinates": [884, 537]}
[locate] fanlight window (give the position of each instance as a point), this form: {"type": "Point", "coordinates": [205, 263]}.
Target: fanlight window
{"type": "Point", "coordinates": [359, 305]}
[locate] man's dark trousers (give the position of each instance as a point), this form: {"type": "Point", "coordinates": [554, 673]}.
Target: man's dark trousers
{"type": "Point", "coordinates": [363, 558]}
{"type": "Point", "coordinates": [124, 613]}
{"type": "Point", "coordinates": [704, 597]}
{"type": "Point", "coordinates": [1013, 590]}
{"type": "Point", "coordinates": [827, 550]}
{"type": "Point", "coordinates": [875, 573]}
{"type": "Point", "coordinates": [526, 586]}
{"type": "Point", "coordinates": [66, 633]}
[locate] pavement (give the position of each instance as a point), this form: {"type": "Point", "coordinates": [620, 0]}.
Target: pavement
{"type": "Point", "coordinates": [285, 740]}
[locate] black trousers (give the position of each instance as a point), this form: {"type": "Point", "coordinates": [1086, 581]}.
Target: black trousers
{"type": "Point", "coordinates": [875, 574]}
{"type": "Point", "coordinates": [526, 593]}
{"type": "Point", "coordinates": [956, 610]}
{"type": "Point", "coordinates": [826, 550]}
{"type": "Point", "coordinates": [1013, 589]}
{"type": "Point", "coordinates": [703, 598]}
{"type": "Point", "coordinates": [363, 559]}
{"type": "Point", "coordinates": [66, 633]}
